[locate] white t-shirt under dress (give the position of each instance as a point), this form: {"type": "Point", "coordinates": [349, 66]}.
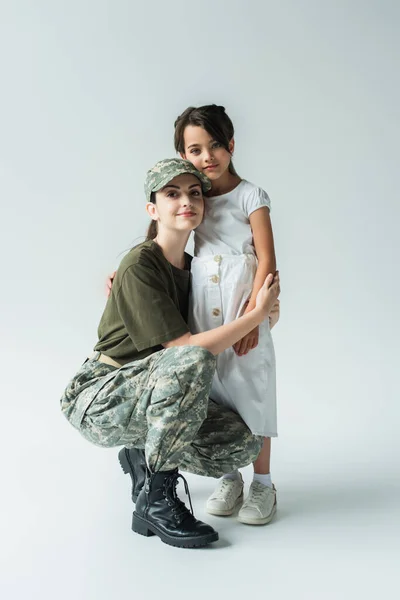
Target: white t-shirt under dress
{"type": "Point", "coordinates": [223, 271]}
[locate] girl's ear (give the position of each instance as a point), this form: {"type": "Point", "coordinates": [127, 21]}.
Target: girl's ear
{"type": "Point", "coordinates": [231, 146]}
{"type": "Point", "coordinates": [152, 211]}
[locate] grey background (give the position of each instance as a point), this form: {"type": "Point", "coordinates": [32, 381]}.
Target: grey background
{"type": "Point", "coordinates": [89, 94]}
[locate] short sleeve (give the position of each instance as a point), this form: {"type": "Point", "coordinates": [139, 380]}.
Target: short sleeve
{"type": "Point", "coordinates": [147, 309]}
{"type": "Point", "coordinates": [256, 199]}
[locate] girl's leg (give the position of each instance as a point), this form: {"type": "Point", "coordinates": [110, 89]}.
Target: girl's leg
{"type": "Point", "coordinates": [262, 462]}
{"type": "Point", "coordinates": [260, 505]}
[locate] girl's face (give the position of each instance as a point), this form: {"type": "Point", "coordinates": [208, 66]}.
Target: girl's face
{"type": "Point", "coordinates": [179, 205]}
{"type": "Point", "coordinates": [206, 154]}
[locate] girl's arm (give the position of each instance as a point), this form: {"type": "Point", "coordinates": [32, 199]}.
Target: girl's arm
{"type": "Point", "coordinates": [263, 240]}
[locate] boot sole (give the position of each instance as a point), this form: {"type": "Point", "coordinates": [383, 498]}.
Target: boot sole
{"type": "Point", "coordinates": [225, 512]}
{"type": "Point", "coordinates": [264, 521]}
{"type": "Point", "coordinates": [143, 527]}
{"type": "Point", "coordinates": [127, 468]}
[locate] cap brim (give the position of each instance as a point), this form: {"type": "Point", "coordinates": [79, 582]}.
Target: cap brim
{"type": "Point", "coordinates": [205, 183]}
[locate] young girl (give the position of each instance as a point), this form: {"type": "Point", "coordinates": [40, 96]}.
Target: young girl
{"type": "Point", "coordinates": [234, 252]}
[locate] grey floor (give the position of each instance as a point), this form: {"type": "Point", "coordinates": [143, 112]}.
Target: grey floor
{"type": "Point", "coordinates": [66, 533]}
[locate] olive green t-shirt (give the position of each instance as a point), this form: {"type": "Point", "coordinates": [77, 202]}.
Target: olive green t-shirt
{"type": "Point", "coordinates": [147, 307]}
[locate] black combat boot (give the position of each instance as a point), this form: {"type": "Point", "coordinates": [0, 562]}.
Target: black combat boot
{"type": "Point", "coordinates": [159, 511]}
{"type": "Point", "coordinates": [133, 461]}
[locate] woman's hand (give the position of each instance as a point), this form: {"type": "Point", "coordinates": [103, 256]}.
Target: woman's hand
{"type": "Point", "coordinates": [274, 314]}
{"type": "Point", "coordinates": [268, 293]}
{"type": "Point", "coordinates": [109, 282]}
{"type": "Point", "coordinates": [267, 301]}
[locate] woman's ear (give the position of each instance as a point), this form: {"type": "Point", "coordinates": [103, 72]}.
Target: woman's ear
{"type": "Point", "coordinates": [152, 210]}
{"type": "Point", "coordinates": [231, 146]}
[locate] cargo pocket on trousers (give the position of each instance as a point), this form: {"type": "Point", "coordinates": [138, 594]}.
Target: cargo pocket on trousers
{"type": "Point", "coordinates": [87, 396]}
{"type": "Point", "coordinates": [167, 394]}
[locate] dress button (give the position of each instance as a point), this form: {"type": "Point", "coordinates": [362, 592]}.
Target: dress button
{"type": "Point", "coordinates": [216, 312]}
{"type": "Point", "coordinates": [218, 258]}
{"type": "Point", "coordinates": [215, 279]}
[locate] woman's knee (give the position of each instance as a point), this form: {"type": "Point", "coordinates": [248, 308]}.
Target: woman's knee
{"type": "Point", "coordinates": [191, 364]}
{"type": "Point", "coordinates": [195, 365]}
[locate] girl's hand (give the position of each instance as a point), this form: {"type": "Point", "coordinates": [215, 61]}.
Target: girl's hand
{"type": "Point", "coordinates": [247, 343]}
{"type": "Point", "coordinates": [109, 282]}
{"type": "Point", "coordinates": [274, 314]}
{"type": "Point", "coordinates": [268, 293]}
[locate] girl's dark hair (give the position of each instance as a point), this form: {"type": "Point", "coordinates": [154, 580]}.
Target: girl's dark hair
{"type": "Point", "coordinates": [152, 229]}
{"type": "Point", "coordinates": [213, 119]}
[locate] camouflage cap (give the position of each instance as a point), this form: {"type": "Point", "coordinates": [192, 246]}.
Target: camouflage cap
{"type": "Point", "coordinates": [167, 169]}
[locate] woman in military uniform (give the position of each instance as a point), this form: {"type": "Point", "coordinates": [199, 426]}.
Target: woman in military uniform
{"type": "Point", "coordinates": [147, 385]}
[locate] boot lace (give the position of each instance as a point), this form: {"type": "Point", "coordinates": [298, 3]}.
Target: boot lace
{"type": "Point", "coordinates": [179, 508]}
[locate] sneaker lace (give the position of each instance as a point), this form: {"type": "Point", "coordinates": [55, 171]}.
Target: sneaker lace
{"type": "Point", "coordinates": [225, 489]}
{"type": "Point", "coordinates": [258, 493]}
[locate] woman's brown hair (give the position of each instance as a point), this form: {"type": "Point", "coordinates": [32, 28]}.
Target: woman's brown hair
{"type": "Point", "coordinates": [152, 229]}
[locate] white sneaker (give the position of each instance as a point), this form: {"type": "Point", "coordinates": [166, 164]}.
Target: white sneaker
{"type": "Point", "coordinates": [227, 495]}
{"type": "Point", "coordinates": [259, 506]}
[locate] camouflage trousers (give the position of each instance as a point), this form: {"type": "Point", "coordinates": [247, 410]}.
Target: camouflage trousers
{"type": "Point", "coordinates": [161, 404]}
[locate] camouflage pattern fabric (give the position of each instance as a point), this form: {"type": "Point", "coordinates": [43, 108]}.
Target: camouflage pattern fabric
{"type": "Point", "coordinates": [161, 404]}
{"type": "Point", "coordinates": [165, 170]}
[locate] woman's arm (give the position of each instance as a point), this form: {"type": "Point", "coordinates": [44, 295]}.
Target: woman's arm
{"type": "Point", "coordinates": [219, 339]}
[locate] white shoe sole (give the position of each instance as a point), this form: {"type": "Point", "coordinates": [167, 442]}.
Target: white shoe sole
{"type": "Point", "coordinates": [260, 521]}
{"type": "Point", "coordinates": [226, 512]}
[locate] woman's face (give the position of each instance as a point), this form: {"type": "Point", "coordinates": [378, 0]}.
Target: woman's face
{"type": "Point", "coordinates": [206, 154]}
{"type": "Point", "coordinates": [179, 205]}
